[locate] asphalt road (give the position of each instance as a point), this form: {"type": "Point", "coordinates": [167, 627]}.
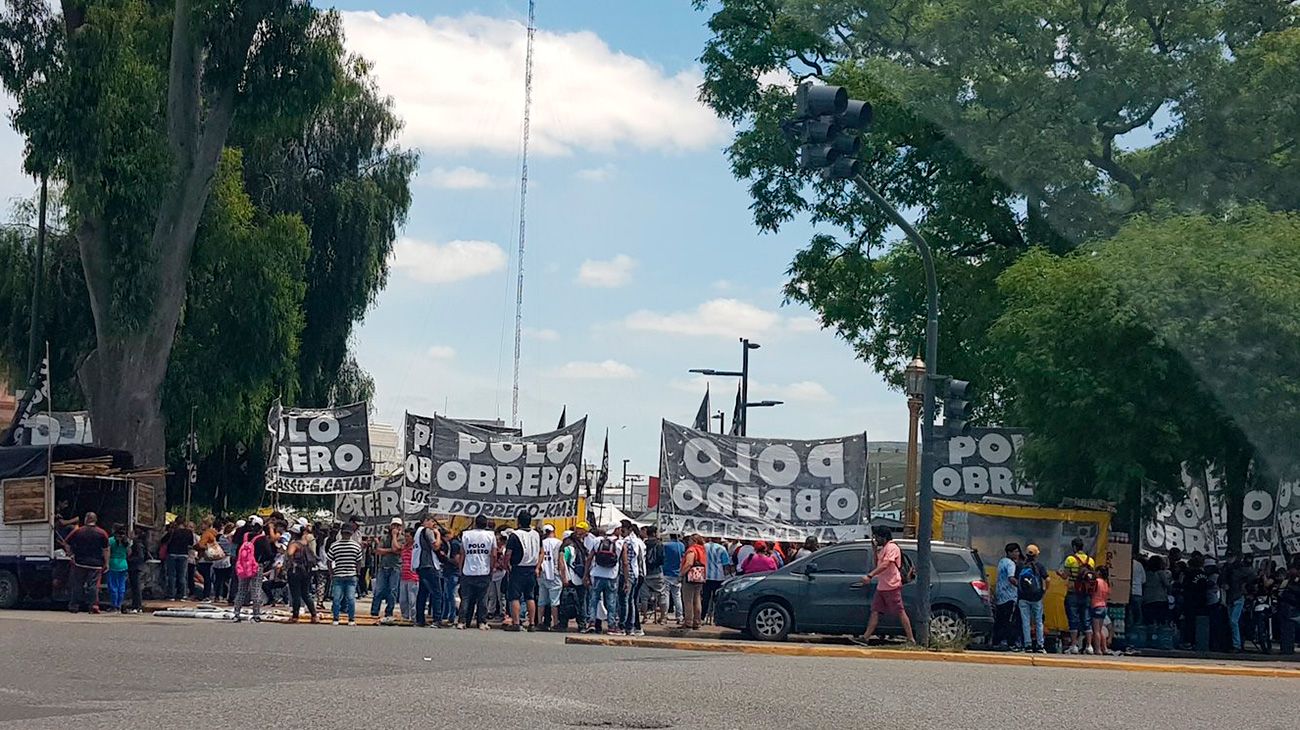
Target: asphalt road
{"type": "Point", "coordinates": [60, 671]}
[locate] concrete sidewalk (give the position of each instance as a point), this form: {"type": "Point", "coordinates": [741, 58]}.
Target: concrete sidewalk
{"type": "Point", "coordinates": [1125, 664]}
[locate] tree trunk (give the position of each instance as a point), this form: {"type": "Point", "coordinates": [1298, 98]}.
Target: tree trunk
{"type": "Point", "coordinates": [1236, 482]}
{"type": "Point", "coordinates": [122, 380]}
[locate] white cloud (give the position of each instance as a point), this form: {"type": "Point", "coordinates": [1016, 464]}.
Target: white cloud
{"type": "Point", "coordinates": [604, 370]}
{"type": "Point", "coordinates": [716, 317]}
{"type": "Point", "coordinates": [440, 352]}
{"type": "Point", "coordinates": [804, 391]}
{"type": "Point", "coordinates": [542, 335]}
{"type": "Point", "coordinates": [596, 174]}
{"type": "Point", "coordinates": [607, 274]}
{"type": "Point", "coordinates": [434, 263]}
{"type": "Point", "coordinates": [458, 84]}
{"type": "Point", "coordinates": [458, 178]}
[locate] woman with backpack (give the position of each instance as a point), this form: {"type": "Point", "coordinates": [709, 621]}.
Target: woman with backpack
{"type": "Point", "coordinates": [1031, 586]}
{"type": "Point", "coordinates": [255, 556]}
{"type": "Point", "coordinates": [301, 559]}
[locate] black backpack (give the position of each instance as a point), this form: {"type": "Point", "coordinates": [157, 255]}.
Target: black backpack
{"type": "Point", "coordinates": [907, 569]}
{"type": "Point", "coordinates": [606, 553]}
{"type": "Point", "coordinates": [1029, 583]}
{"type": "Point", "coordinates": [654, 559]}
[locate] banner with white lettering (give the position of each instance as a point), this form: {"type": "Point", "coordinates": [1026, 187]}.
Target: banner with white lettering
{"type": "Point", "coordinates": [320, 450]}
{"type": "Point", "coordinates": [58, 428]}
{"type": "Point", "coordinates": [768, 489]}
{"type": "Point", "coordinates": [1288, 517]}
{"type": "Point", "coordinates": [1200, 522]}
{"type": "Point", "coordinates": [472, 470]}
{"type": "Point", "coordinates": [979, 465]}
{"type": "Point", "coordinates": [375, 510]}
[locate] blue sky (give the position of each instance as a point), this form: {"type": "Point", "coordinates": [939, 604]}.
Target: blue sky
{"type": "Point", "coordinates": [642, 258]}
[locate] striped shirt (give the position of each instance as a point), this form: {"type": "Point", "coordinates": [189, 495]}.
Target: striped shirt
{"type": "Point", "coordinates": [344, 556]}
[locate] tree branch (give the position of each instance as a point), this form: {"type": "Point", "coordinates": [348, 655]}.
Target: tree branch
{"type": "Point", "coordinates": [1125, 127]}
{"type": "Point", "coordinates": [1106, 163]}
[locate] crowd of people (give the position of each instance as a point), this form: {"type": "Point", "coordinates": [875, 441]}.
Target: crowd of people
{"type": "Point", "coordinates": [610, 579]}
{"type": "Point", "coordinates": [1188, 603]}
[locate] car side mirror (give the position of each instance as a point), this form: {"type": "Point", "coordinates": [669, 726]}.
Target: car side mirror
{"type": "Point", "coordinates": [810, 569]}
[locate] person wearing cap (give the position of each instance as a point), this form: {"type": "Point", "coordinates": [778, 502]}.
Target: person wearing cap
{"type": "Point", "coordinates": [1031, 586]}
{"type": "Point", "coordinates": [300, 558]}
{"type": "Point", "coordinates": [479, 550]}
{"type": "Point", "coordinates": [760, 561]}
{"type": "Point", "coordinates": [345, 560]}
{"type": "Point", "coordinates": [388, 577]}
{"type": "Point", "coordinates": [573, 598]}
{"type": "Point", "coordinates": [550, 579]}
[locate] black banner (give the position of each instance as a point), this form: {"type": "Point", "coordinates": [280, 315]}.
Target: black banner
{"type": "Point", "coordinates": [770, 489]}
{"type": "Point", "coordinates": [375, 510]}
{"type": "Point", "coordinates": [471, 470]}
{"type": "Point", "coordinates": [320, 450]}
{"type": "Point", "coordinates": [1200, 522]}
{"type": "Point", "coordinates": [33, 405]}
{"type": "Point", "coordinates": [979, 465]}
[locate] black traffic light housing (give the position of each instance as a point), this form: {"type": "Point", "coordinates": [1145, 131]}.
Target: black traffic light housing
{"type": "Point", "coordinates": [829, 130]}
{"type": "Point", "coordinates": [956, 402]}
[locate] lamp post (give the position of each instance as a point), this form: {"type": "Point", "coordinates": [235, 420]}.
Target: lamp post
{"type": "Point", "coordinates": [914, 382]}
{"type": "Point", "coordinates": [721, 418]}
{"type": "Point", "coordinates": [743, 374]}
{"type": "Point", "coordinates": [625, 462]}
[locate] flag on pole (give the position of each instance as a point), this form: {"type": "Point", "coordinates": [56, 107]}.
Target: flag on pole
{"type": "Point", "coordinates": [702, 415]}
{"type": "Point", "coordinates": [564, 418]}
{"type": "Point", "coordinates": [35, 399]}
{"type": "Point", "coordinates": [603, 477]}
{"type": "Point", "coordinates": [737, 414]}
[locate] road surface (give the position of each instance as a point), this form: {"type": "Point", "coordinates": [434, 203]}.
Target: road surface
{"type": "Point", "coordinates": [63, 671]}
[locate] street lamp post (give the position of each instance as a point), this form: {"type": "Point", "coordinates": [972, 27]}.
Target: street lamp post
{"type": "Point", "coordinates": [721, 418]}
{"type": "Point", "coordinates": [828, 126]}
{"type": "Point", "coordinates": [625, 503]}
{"type": "Point", "coordinates": [743, 427]}
{"type": "Point", "coordinates": [914, 383]}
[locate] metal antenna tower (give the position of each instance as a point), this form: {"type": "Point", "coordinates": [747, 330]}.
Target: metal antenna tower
{"type": "Point", "coordinates": [523, 208]}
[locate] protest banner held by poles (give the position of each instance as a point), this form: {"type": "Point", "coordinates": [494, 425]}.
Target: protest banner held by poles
{"type": "Point", "coordinates": [769, 489]}
{"type": "Point", "coordinates": [319, 450]}
{"type": "Point", "coordinates": [457, 468]}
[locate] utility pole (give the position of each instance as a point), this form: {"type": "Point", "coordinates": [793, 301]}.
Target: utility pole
{"type": "Point", "coordinates": [625, 491]}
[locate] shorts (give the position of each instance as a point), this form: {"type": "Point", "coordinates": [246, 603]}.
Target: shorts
{"type": "Point", "coordinates": [1077, 611]}
{"type": "Point", "coordinates": [523, 584]}
{"type": "Point", "coordinates": [548, 592]}
{"type": "Point", "coordinates": [1098, 612]}
{"type": "Point", "coordinates": [889, 603]}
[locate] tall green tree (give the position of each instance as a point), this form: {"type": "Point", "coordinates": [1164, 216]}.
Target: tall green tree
{"type": "Point", "coordinates": [1177, 340]}
{"type": "Point", "coordinates": [130, 103]}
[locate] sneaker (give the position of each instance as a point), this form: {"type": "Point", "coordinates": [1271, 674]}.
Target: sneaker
{"type": "Point", "coordinates": [460, 627]}
{"type": "Point", "coordinates": [615, 632]}
{"type": "Point", "coordinates": [336, 623]}
{"type": "Point", "coordinates": [1017, 649]}
{"type": "Point", "coordinates": [531, 628]}
{"type": "Point", "coordinates": [94, 609]}
{"type": "Point", "coordinates": [387, 621]}
{"type": "Point", "coordinates": [589, 630]}
{"type": "Point", "coordinates": [1072, 650]}
{"type": "Point", "coordinates": [1040, 650]}
{"type": "Point", "coordinates": [512, 628]}
{"type": "Point", "coordinates": [1088, 650]}
{"type": "Point", "coordinates": [484, 627]}
{"type": "Point", "coordinates": [638, 632]}
{"type": "Point", "coordinates": [352, 623]}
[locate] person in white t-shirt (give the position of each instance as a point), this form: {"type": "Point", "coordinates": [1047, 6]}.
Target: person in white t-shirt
{"type": "Point", "coordinates": [551, 576]}
{"type": "Point", "coordinates": [633, 573]}
{"type": "Point", "coordinates": [524, 548]}
{"type": "Point", "coordinates": [479, 546]}
{"type": "Point", "coordinates": [604, 552]}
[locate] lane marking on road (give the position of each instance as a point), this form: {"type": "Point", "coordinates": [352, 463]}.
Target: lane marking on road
{"type": "Point", "coordinates": [851, 652]}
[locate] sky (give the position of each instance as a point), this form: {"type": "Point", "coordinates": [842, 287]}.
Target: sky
{"type": "Point", "coordinates": [642, 260]}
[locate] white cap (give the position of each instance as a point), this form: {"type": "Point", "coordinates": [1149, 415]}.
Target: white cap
{"type": "Point", "coordinates": [548, 528]}
{"type": "Point", "coordinates": [567, 534]}
{"type": "Point", "coordinates": [396, 521]}
{"type": "Point", "coordinates": [302, 521]}
{"type": "Point", "coordinates": [240, 523]}
{"type": "Point", "coordinates": [296, 529]}
{"type": "Point", "coordinates": [255, 520]}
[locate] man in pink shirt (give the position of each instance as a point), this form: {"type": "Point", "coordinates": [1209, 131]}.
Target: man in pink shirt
{"type": "Point", "coordinates": [889, 589]}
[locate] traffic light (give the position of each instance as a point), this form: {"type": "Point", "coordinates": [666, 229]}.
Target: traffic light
{"type": "Point", "coordinates": [830, 126]}
{"type": "Point", "coordinates": [956, 401]}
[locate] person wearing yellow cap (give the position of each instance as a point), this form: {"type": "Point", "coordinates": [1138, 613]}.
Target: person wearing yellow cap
{"type": "Point", "coordinates": [1031, 586]}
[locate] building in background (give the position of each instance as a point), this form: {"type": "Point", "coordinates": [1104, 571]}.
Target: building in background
{"type": "Point", "coordinates": [385, 448]}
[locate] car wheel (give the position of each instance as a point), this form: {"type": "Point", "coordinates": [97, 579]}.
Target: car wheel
{"type": "Point", "coordinates": [947, 627]}
{"type": "Point", "coordinates": [770, 621]}
{"type": "Point", "coordinates": [8, 589]}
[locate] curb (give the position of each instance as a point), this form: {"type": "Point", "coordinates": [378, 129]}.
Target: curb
{"type": "Point", "coordinates": [1019, 660]}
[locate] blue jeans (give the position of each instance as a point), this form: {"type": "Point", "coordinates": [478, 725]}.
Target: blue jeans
{"type": "Point", "coordinates": [385, 587]}
{"type": "Point", "coordinates": [603, 590]}
{"type": "Point", "coordinates": [430, 588]}
{"type": "Point", "coordinates": [176, 575]}
{"type": "Point", "coordinates": [116, 588]}
{"type": "Point", "coordinates": [1234, 621]}
{"type": "Point", "coordinates": [449, 583]}
{"type": "Point", "coordinates": [344, 595]}
{"type": "Point", "coordinates": [1031, 616]}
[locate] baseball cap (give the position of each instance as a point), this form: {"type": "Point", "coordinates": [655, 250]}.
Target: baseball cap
{"type": "Point", "coordinates": [567, 533]}
{"type": "Point", "coordinates": [255, 520]}
{"type": "Point", "coordinates": [296, 529]}
{"type": "Point", "coordinates": [396, 521]}
{"type": "Point", "coordinates": [240, 523]}
{"type": "Point", "coordinates": [1031, 549]}
{"type": "Point", "coordinates": [760, 546]}
{"type": "Point", "coordinates": [583, 525]}
{"type": "Point", "coordinates": [548, 528]}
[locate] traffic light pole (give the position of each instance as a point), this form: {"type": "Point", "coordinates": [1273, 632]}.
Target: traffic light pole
{"type": "Point", "coordinates": [925, 505]}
